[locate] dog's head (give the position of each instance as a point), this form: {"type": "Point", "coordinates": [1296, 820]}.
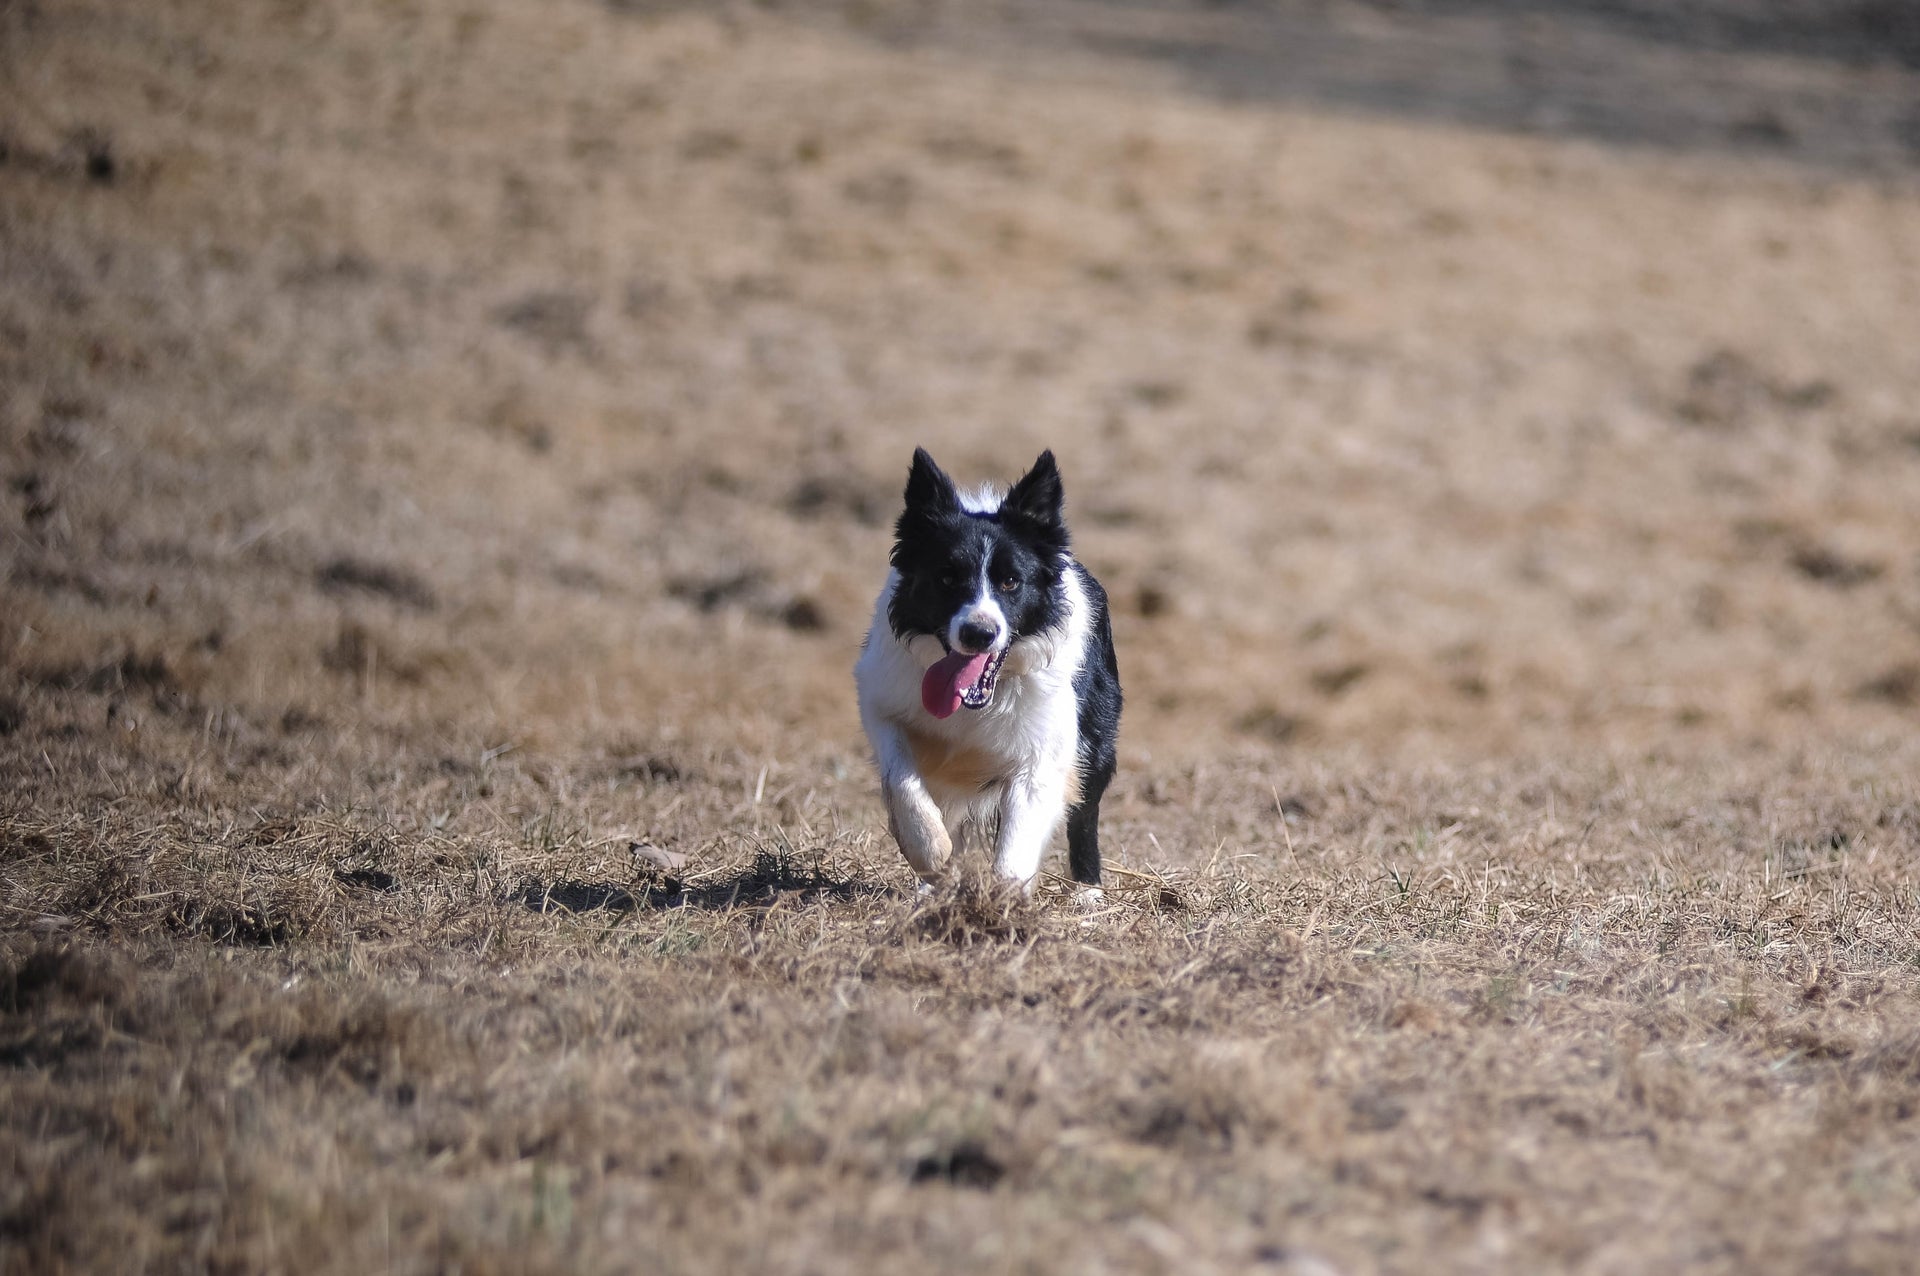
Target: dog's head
{"type": "Point", "coordinates": [977, 573]}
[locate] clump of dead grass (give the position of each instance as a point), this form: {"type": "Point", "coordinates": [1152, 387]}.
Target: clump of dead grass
{"type": "Point", "coordinates": [977, 910]}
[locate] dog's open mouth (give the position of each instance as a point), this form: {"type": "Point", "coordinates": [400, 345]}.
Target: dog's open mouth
{"type": "Point", "coordinates": [961, 678]}
{"type": "Point", "coordinates": [980, 693]}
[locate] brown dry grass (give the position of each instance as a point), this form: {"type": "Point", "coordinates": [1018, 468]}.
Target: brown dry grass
{"type": "Point", "coordinates": [447, 444]}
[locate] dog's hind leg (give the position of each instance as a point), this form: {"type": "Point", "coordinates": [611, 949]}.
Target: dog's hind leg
{"type": "Point", "coordinates": [1083, 830]}
{"type": "Point", "coordinates": [1097, 688]}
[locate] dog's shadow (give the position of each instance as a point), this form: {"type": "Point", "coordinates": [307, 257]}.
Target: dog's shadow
{"type": "Point", "coordinates": [771, 877]}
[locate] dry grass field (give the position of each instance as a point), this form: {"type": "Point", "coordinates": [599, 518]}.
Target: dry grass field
{"type": "Point", "coordinates": [448, 449]}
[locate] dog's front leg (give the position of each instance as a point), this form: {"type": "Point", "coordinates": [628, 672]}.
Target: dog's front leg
{"type": "Point", "coordinates": [913, 817]}
{"type": "Point", "coordinates": [915, 821]}
{"type": "Point", "coordinates": [1030, 812]}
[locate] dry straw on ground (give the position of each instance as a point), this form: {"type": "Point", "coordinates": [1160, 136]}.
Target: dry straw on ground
{"type": "Point", "coordinates": [447, 455]}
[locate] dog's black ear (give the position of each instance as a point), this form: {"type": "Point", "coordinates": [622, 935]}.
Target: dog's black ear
{"type": "Point", "coordinates": [928, 487]}
{"type": "Point", "coordinates": [1037, 498]}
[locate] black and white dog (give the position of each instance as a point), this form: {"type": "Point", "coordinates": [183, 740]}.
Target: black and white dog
{"type": "Point", "coordinates": [988, 684]}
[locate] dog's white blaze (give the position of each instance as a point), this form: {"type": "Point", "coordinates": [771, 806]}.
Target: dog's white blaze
{"type": "Point", "coordinates": [1031, 729]}
{"type": "Point", "coordinates": [983, 610]}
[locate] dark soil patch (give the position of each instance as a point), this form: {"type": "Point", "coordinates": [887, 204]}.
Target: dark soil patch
{"type": "Point", "coordinates": [394, 583]}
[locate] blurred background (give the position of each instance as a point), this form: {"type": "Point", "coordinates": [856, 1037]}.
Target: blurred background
{"type": "Point", "coordinates": [1450, 377]}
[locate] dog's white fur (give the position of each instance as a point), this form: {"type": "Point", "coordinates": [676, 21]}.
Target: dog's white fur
{"type": "Point", "coordinates": [1029, 733]}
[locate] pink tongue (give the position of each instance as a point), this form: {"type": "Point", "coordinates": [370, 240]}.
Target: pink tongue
{"type": "Point", "coordinates": [940, 689]}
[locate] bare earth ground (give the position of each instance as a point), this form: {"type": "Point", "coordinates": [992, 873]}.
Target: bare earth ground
{"type": "Point", "coordinates": [446, 444]}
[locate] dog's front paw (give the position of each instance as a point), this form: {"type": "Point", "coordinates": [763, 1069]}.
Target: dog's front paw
{"type": "Point", "coordinates": [917, 827]}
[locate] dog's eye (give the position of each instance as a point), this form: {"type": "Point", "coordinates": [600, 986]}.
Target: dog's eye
{"type": "Point", "coordinates": [1007, 584]}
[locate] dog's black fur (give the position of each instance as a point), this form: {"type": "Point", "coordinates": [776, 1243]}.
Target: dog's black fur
{"type": "Point", "coordinates": [1097, 687]}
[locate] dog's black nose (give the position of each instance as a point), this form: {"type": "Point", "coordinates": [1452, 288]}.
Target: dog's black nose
{"type": "Point", "coordinates": [975, 636]}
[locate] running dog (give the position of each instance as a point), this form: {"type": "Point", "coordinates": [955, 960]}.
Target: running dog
{"type": "Point", "coordinates": [988, 684]}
